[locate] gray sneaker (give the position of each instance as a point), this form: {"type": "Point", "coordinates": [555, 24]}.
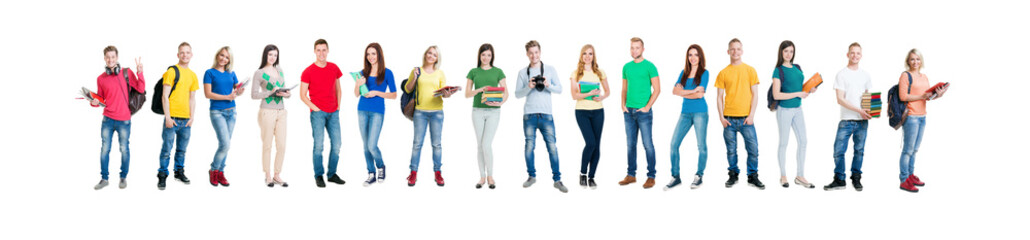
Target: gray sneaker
{"type": "Point", "coordinates": [101, 184]}
{"type": "Point", "coordinates": [697, 182]}
{"type": "Point", "coordinates": [529, 182]}
{"type": "Point", "coordinates": [561, 187]}
{"type": "Point", "coordinates": [122, 184]}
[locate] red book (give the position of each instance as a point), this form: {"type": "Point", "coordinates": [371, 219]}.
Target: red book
{"type": "Point", "coordinates": [938, 86]}
{"type": "Point", "coordinates": [494, 89]}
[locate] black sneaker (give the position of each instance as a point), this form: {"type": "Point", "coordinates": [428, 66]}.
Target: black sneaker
{"type": "Point", "coordinates": [161, 180]}
{"type": "Point", "coordinates": [319, 182]}
{"type": "Point", "coordinates": [675, 182]}
{"type": "Point", "coordinates": [180, 175]}
{"type": "Point", "coordinates": [752, 179]}
{"type": "Point", "coordinates": [591, 184]}
{"type": "Point", "coordinates": [837, 184]}
{"type": "Point", "coordinates": [582, 180]}
{"type": "Point", "coordinates": [732, 180]}
{"type": "Point", "coordinates": [856, 181]}
{"type": "Point", "coordinates": [336, 179]}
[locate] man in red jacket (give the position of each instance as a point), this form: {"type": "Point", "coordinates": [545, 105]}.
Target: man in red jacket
{"type": "Point", "coordinates": [113, 86]}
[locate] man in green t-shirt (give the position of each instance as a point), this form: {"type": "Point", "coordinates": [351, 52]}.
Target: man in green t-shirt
{"type": "Point", "coordinates": [638, 78]}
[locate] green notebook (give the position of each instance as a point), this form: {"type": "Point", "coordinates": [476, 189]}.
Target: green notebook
{"type": "Point", "coordinates": [364, 88]}
{"type": "Point", "coordinates": [585, 88]}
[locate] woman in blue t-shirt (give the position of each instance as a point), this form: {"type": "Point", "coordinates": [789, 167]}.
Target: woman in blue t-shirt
{"type": "Point", "coordinates": [374, 84]}
{"type": "Point", "coordinates": [220, 86]}
{"type": "Point", "coordinates": [691, 85]}
{"type": "Point", "coordinates": [787, 89]}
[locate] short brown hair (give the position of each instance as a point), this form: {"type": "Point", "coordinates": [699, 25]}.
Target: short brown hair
{"type": "Point", "coordinates": [532, 43]}
{"type": "Point", "coordinates": [734, 40]}
{"type": "Point", "coordinates": [636, 39]}
{"type": "Point", "coordinates": [111, 49]}
{"type": "Point", "coordinates": [186, 44]}
{"type": "Point", "coordinates": [854, 44]}
{"type": "Point", "coordinates": [320, 42]}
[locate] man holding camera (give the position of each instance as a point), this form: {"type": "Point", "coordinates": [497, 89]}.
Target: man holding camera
{"type": "Point", "coordinates": [535, 83]}
{"type": "Point", "coordinates": [638, 78]}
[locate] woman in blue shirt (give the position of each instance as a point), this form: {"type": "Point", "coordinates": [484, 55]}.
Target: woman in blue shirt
{"type": "Point", "coordinates": [371, 107]}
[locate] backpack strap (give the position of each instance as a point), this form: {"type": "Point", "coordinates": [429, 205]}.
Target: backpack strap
{"type": "Point", "coordinates": [414, 90]}
{"type": "Point", "coordinates": [176, 82]}
{"type": "Point", "coordinates": [909, 81]}
{"type": "Point", "coordinates": [125, 73]}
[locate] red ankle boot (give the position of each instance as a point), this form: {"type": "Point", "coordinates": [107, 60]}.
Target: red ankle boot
{"type": "Point", "coordinates": [916, 181]}
{"type": "Point", "coordinates": [439, 179]}
{"type": "Point", "coordinates": [411, 178]}
{"type": "Point", "coordinates": [212, 176]}
{"type": "Point", "coordinates": [221, 178]}
{"type": "Point", "coordinates": [908, 186]}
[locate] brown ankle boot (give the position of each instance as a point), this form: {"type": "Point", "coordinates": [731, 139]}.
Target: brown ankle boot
{"type": "Point", "coordinates": [649, 183]}
{"type": "Point", "coordinates": [628, 180]}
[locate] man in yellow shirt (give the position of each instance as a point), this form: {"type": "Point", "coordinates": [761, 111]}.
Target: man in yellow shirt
{"type": "Point", "coordinates": [178, 104]}
{"type": "Point", "coordinates": [738, 84]}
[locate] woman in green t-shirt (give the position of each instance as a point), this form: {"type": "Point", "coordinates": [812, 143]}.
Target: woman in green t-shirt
{"type": "Point", "coordinates": [486, 84]}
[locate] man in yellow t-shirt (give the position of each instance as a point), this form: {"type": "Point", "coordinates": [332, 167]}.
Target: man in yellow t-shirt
{"type": "Point", "coordinates": [738, 85]}
{"type": "Point", "coordinates": [178, 108]}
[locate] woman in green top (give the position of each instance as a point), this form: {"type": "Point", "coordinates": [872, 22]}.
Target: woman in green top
{"type": "Point", "coordinates": [787, 88]}
{"type": "Point", "coordinates": [486, 112]}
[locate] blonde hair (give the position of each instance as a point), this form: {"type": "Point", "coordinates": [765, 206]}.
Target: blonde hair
{"type": "Point", "coordinates": [593, 64]}
{"type": "Point", "coordinates": [636, 39]}
{"type": "Point", "coordinates": [922, 62]}
{"type": "Point", "coordinates": [436, 65]}
{"type": "Point", "coordinates": [228, 66]}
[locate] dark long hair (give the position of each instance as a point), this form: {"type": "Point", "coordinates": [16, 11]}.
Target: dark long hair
{"type": "Point", "coordinates": [700, 66]}
{"type": "Point", "coordinates": [779, 54]}
{"type": "Point", "coordinates": [264, 56]}
{"type": "Point", "coordinates": [380, 75]}
{"type": "Point", "coordinates": [483, 48]}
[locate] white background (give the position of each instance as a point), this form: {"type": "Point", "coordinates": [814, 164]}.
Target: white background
{"type": "Point", "coordinates": [968, 159]}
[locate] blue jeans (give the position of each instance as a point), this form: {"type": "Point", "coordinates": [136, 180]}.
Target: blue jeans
{"type": "Point", "coordinates": [370, 124]}
{"type": "Point", "coordinates": [223, 120]}
{"type": "Point", "coordinates": [545, 123]}
{"type": "Point", "coordinates": [639, 122]}
{"type": "Point", "coordinates": [856, 130]}
{"type": "Point", "coordinates": [107, 128]}
{"type": "Point", "coordinates": [729, 134]}
{"type": "Point", "coordinates": [700, 122]}
{"type": "Point", "coordinates": [329, 122]}
{"type": "Point", "coordinates": [913, 128]}
{"type": "Point", "coordinates": [591, 123]}
{"type": "Point", "coordinates": [434, 121]}
{"type": "Point", "coordinates": [178, 134]}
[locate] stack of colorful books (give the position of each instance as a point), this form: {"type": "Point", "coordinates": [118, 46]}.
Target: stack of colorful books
{"type": "Point", "coordinates": [585, 87]}
{"type": "Point", "coordinates": [494, 94]}
{"type": "Point", "coordinates": [871, 103]}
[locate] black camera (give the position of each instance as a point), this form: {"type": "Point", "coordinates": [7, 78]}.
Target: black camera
{"type": "Point", "coordinates": [538, 79]}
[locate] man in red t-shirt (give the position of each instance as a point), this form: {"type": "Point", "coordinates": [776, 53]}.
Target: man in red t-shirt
{"type": "Point", "coordinates": [113, 86]}
{"type": "Point", "coordinates": [320, 90]}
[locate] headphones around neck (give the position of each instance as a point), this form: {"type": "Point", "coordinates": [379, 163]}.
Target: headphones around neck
{"type": "Point", "coordinates": [113, 71]}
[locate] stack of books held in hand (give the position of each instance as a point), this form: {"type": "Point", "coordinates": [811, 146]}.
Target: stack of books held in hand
{"type": "Point", "coordinates": [585, 87]}
{"type": "Point", "coordinates": [494, 94]}
{"type": "Point", "coordinates": [871, 103]}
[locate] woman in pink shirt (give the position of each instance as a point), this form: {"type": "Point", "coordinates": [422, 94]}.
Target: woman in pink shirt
{"type": "Point", "coordinates": [914, 88]}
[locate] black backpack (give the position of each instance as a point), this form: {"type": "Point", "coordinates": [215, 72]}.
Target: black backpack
{"type": "Point", "coordinates": [134, 98]}
{"type": "Point", "coordinates": [773, 103]}
{"type": "Point", "coordinates": [410, 100]}
{"type": "Point", "coordinates": [159, 87]}
{"type": "Point", "coordinates": [897, 110]}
